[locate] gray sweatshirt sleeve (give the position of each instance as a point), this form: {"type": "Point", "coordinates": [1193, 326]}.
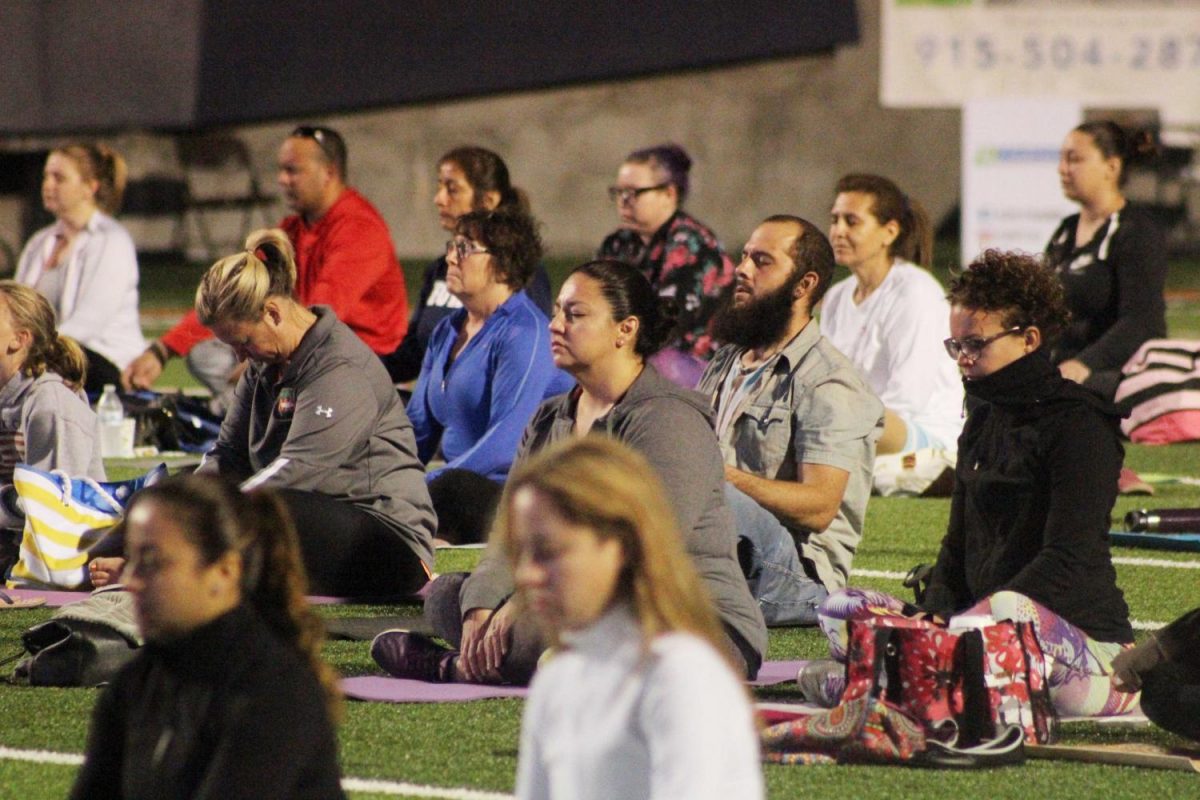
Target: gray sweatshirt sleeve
{"type": "Point", "coordinates": [60, 432]}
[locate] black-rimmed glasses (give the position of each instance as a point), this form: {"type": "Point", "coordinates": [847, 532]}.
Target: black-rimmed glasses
{"type": "Point", "coordinates": [463, 248]}
{"type": "Point", "coordinates": [972, 347]}
{"type": "Point", "coordinates": [622, 194]}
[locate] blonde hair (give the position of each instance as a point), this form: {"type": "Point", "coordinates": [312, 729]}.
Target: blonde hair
{"type": "Point", "coordinates": [49, 351]}
{"type": "Point", "coordinates": [100, 163]}
{"type": "Point", "coordinates": [236, 288]}
{"type": "Point", "coordinates": [602, 484]}
{"type": "Point", "coordinates": [217, 518]}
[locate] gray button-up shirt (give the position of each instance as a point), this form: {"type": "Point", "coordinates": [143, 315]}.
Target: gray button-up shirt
{"type": "Point", "coordinates": [810, 406]}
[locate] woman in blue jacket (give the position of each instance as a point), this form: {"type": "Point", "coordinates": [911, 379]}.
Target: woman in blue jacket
{"type": "Point", "coordinates": [486, 370]}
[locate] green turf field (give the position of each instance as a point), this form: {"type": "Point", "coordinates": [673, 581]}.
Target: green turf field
{"type": "Point", "coordinates": [473, 746]}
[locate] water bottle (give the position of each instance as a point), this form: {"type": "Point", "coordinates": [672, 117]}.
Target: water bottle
{"type": "Point", "coordinates": [111, 414]}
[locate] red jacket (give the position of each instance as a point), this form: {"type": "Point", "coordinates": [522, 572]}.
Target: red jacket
{"type": "Point", "coordinates": [346, 261]}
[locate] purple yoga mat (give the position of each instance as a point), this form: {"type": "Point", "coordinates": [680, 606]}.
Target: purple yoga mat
{"type": "Point", "coordinates": [54, 598]}
{"type": "Point", "coordinates": [773, 673]}
{"type": "Point", "coordinates": [400, 690]}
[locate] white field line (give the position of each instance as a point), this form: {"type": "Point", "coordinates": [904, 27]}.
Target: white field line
{"type": "Point", "coordinates": [349, 784]}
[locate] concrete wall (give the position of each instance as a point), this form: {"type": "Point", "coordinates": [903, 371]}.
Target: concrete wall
{"type": "Point", "coordinates": [766, 138]}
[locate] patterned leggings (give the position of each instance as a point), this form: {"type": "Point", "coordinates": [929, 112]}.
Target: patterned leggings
{"type": "Point", "coordinates": [1080, 667]}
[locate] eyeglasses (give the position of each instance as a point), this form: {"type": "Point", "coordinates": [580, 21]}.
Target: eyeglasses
{"type": "Point", "coordinates": [623, 195]}
{"type": "Point", "coordinates": [463, 248]}
{"type": "Point", "coordinates": [971, 347]}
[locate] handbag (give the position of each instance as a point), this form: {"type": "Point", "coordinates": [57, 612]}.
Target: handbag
{"type": "Point", "coordinates": [64, 518]}
{"type": "Point", "coordinates": [918, 693]}
{"type": "Point", "coordinates": [84, 644]}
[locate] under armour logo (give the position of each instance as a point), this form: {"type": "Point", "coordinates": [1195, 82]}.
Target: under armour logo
{"type": "Point", "coordinates": [325, 411]}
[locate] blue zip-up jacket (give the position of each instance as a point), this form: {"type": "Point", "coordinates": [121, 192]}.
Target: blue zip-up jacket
{"type": "Point", "coordinates": [477, 408]}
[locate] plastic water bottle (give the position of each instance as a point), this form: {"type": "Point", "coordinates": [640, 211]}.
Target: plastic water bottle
{"type": "Point", "coordinates": [112, 419]}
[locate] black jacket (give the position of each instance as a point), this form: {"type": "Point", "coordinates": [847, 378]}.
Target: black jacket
{"type": "Point", "coordinates": [229, 711]}
{"type": "Point", "coordinates": [1036, 479]}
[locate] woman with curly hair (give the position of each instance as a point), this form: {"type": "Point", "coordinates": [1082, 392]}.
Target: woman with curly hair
{"type": "Point", "coordinates": [1034, 486]}
{"type": "Point", "coordinates": [486, 370]}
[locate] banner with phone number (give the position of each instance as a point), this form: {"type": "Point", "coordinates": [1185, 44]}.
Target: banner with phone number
{"type": "Point", "coordinates": [1101, 53]}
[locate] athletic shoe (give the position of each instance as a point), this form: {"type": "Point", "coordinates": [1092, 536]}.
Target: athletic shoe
{"type": "Point", "coordinates": [405, 654]}
{"type": "Point", "coordinates": [822, 682]}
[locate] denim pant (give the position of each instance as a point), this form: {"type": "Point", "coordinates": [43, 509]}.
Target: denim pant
{"type": "Point", "coordinates": [785, 593]}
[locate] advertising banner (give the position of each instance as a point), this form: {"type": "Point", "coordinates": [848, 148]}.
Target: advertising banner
{"type": "Point", "coordinates": [1102, 53]}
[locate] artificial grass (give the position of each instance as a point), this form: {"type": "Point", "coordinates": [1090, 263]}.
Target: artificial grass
{"type": "Point", "coordinates": [474, 744]}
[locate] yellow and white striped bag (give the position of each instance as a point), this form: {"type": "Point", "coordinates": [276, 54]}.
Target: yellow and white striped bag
{"type": "Point", "coordinates": [64, 517]}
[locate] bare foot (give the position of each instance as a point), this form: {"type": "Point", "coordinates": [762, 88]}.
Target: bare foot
{"type": "Point", "coordinates": [105, 571]}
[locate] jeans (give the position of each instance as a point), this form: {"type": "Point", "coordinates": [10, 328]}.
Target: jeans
{"type": "Point", "coordinates": [785, 593]}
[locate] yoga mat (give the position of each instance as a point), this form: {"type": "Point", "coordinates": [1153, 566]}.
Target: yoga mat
{"type": "Point", "coordinates": [364, 629]}
{"type": "Point", "coordinates": [773, 713]}
{"type": "Point", "coordinates": [401, 690]}
{"type": "Point", "coordinates": [1157, 541]}
{"type": "Point", "coordinates": [55, 598]}
{"type": "Point", "coordinates": [773, 673]}
{"type": "Point", "coordinates": [1130, 755]}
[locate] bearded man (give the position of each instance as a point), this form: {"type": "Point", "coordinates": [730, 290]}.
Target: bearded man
{"type": "Point", "coordinates": [796, 422]}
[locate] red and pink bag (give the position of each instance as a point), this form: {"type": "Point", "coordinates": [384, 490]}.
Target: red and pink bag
{"type": "Point", "coordinates": [918, 692]}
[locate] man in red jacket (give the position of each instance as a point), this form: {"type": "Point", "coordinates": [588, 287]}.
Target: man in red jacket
{"type": "Point", "coordinates": [344, 259]}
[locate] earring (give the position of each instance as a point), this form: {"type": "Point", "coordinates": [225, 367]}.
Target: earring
{"type": "Point", "coordinates": [620, 342]}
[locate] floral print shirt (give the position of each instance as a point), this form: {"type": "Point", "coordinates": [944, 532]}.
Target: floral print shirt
{"type": "Point", "coordinates": [685, 261]}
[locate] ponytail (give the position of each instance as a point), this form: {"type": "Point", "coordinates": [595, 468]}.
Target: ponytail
{"type": "Point", "coordinates": [49, 350]}
{"type": "Point", "coordinates": [105, 166]}
{"type": "Point", "coordinates": [237, 286]}
{"type": "Point", "coordinates": [915, 241]}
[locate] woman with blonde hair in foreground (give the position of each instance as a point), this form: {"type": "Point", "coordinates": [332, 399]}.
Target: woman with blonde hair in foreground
{"type": "Point", "coordinates": [599, 563]}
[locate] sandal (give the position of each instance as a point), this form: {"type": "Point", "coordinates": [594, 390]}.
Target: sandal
{"type": "Point", "coordinates": [9, 601]}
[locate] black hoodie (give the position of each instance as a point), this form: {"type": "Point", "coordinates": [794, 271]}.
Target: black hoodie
{"type": "Point", "coordinates": [1038, 462]}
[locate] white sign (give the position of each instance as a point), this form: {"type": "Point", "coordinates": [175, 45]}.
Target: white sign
{"type": "Point", "coordinates": [1133, 54]}
{"type": "Point", "coordinates": [1011, 195]}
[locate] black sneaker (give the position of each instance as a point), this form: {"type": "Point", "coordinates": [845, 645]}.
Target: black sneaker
{"type": "Point", "coordinates": [405, 654]}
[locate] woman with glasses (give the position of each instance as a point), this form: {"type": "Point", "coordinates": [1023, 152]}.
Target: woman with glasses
{"type": "Point", "coordinates": [485, 371]}
{"type": "Point", "coordinates": [890, 316]}
{"type": "Point", "coordinates": [1111, 257]}
{"type": "Point", "coordinates": [677, 253]}
{"type": "Point", "coordinates": [1034, 487]}
{"type": "Point", "coordinates": [85, 264]}
{"type": "Point", "coordinates": [469, 179]}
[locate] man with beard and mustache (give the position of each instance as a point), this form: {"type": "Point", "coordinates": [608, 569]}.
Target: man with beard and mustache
{"type": "Point", "coordinates": [796, 422]}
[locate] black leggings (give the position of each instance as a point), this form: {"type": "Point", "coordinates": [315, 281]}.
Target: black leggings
{"type": "Point", "coordinates": [349, 552]}
{"type": "Point", "coordinates": [444, 614]}
{"type": "Point", "coordinates": [465, 503]}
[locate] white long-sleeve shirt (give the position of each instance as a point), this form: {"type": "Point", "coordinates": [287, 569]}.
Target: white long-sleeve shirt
{"type": "Point", "coordinates": [894, 337]}
{"type": "Point", "coordinates": [606, 719]}
{"type": "Point", "coordinates": [99, 303]}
